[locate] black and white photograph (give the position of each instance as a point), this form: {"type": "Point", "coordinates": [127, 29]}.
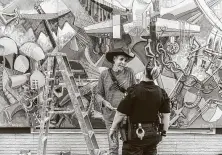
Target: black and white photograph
{"type": "Point", "coordinates": [111, 77]}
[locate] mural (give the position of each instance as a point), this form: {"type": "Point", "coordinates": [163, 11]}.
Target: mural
{"type": "Point", "coordinates": [182, 37]}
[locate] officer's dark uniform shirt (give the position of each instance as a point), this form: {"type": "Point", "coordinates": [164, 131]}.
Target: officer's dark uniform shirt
{"type": "Point", "coordinates": [143, 102]}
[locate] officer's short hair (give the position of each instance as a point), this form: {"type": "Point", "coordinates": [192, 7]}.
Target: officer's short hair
{"type": "Point", "coordinates": [152, 71]}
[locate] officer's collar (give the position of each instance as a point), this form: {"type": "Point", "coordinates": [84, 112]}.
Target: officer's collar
{"type": "Point", "coordinates": [147, 82]}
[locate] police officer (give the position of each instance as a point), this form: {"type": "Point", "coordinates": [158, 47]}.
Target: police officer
{"type": "Point", "coordinates": [143, 104]}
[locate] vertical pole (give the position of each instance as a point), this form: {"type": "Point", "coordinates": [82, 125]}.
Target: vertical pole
{"type": "Point", "coordinates": [54, 44]}
{"type": "Point", "coordinates": [153, 35]}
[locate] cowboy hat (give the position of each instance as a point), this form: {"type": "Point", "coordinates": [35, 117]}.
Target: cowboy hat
{"type": "Point", "coordinates": [119, 51]}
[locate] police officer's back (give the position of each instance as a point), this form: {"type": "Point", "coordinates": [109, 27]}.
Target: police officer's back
{"type": "Point", "coordinates": [142, 104]}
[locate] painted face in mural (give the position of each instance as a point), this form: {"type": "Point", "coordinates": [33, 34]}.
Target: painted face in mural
{"type": "Point", "coordinates": [120, 62]}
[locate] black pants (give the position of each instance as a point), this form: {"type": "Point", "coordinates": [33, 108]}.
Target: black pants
{"type": "Point", "coordinates": [147, 146]}
{"type": "Point", "coordinates": [141, 147]}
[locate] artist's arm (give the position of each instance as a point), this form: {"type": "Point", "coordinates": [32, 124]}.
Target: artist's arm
{"type": "Point", "coordinates": [165, 120]}
{"type": "Point", "coordinates": [101, 93]}
{"type": "Point", "coordinates": [117, 119]}
{"type": "Point", "coordinates": [124, 109]}
{"type": "Point", "coordinates": [103, 102]}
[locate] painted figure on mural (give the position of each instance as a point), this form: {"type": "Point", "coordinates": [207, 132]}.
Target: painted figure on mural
{"type": "Point", "coordinates": [142, 105]}
{"type": "Point", "coordinates": [112, 85]}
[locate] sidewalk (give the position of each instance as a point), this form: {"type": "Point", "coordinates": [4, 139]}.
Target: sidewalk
{"type": "Point", "coordinates": [173, 144]}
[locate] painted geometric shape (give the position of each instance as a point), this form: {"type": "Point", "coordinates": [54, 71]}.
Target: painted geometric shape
{"type": "Point", "coordinates": [17, 80]}
{"type": "Point", "coordinates": [44, 42]}
{"type": "Point", "coordinates": [212, 114]}
{"type": "Point", "coordinates": [190, 97]}
{"type": "Point", "coordinates": [32, 50]}
{"type": "Point", "coordinates": [169, 83]}
{"type": "Point", "coordinates": [217, 115]}
{"type": "Point", "coordinates": [7, 46]}
{"type": "Point", "coordinates": [116, 26]}
{"type": "Point", "coordinates": [21, 64]}
{"type": "Point", "coordinates": [9, 60]}
{"type": "Point", "coordinates": [58, 91]}
{"type": "Point", "coordinates": [37, 80]}
{"type": "Point", "coordinates": [74, 46]}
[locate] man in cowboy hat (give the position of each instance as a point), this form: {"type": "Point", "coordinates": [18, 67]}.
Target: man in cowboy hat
{"type": "Point", "coordinates": [111, 87]}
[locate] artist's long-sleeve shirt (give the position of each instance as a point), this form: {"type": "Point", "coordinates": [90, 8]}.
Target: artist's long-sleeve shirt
{"type": "Point", "coordinates": [110, 93]}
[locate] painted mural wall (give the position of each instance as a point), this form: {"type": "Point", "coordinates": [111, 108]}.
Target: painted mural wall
{"type": "Point", "coordinates": [184, 38]}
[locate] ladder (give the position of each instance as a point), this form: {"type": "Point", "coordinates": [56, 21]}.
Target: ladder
{"type": "Point", "coordinates": [75, 96]}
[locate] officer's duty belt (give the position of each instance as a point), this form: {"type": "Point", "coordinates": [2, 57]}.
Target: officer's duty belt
{"type": "Point", "coordinates": [151, 124]}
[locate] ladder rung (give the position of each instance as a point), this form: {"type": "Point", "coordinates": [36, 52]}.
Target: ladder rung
{"type": "Point", "coordinates": [49, 99]}
{"type": "Point", "coordinates": [62, 112]}
{"type": "Point", "coordinates": [44, 139]}
{"type": "Point", "coordinates": [84, 114]}
{"type": "Point", "coordinates": [60, 109]}
{"type": "Point", "coordinates": [50, 79]}
{"type": "Point", "coordinates": [62, 84]}
{"type": "Point", "coordinates": [67, 72]}
{"type": "Point", "coordinates": [91, 133]}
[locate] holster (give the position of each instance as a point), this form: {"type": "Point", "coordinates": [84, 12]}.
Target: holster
{"type": "Point", "coordinates": [160, 127]}
{"type": "Point", "coordinates": [125, 129]}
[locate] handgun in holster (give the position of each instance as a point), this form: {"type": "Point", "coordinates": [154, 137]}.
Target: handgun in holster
{"type": "Point", "coordinates": [160, 127]}
{"type": "Point", "coordinates": [125, 129]}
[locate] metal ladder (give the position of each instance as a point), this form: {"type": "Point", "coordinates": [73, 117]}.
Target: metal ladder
{"type": "Point", "coordinates": [75, 96]}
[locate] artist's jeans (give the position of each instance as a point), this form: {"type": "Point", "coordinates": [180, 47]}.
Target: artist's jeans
{"type": "Point", "coordinates": [113, 146]}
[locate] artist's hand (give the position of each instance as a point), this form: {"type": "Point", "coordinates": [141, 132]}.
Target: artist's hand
{"type": "Point", "coordinates": [108, 105]}
{"type": "Point", "coordinates": [111, 135]}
